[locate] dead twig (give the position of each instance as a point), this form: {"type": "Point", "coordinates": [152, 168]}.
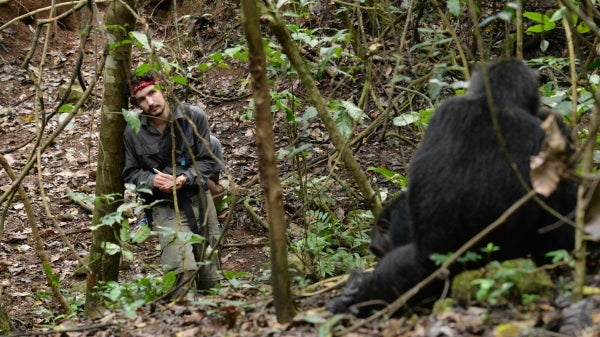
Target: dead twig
{"type": "Point", "coordinates": [81, 203]}
{"type": "Point", "coordinates": [253, 214]}
{"type": "Point", "coordinates": [245, 245]}
{"type": "Point", "coordinates": [102, 326]}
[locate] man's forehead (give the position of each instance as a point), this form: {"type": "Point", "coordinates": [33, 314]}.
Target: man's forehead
{"type": "Point", "coordinates": [145, 90]}
{"type": "Point", "coordinates": [143, 84]}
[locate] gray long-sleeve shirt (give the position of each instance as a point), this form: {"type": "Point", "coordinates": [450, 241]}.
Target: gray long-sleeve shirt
{"type": "Point", "coordinates": [149, 149]}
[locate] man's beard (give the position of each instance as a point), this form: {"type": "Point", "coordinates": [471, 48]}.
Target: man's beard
{"type": "Point", "coordinates": [155, 112]}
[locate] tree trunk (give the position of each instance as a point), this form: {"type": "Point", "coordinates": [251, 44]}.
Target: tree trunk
{"type": "Point", "coordinates": [269, 175]}
{"type": "Point", "coordinates": [109, 179]}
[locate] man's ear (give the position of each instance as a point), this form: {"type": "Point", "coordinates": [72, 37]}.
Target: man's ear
{"type": "Point", "coordinates": [133, 101]}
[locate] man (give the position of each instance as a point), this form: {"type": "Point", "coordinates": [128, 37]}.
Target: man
{"type": "Point", "coordinates": [170, 155]}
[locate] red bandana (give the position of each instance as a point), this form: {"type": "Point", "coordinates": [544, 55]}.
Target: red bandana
{"type": "Point", "coordinates": [142, 85]}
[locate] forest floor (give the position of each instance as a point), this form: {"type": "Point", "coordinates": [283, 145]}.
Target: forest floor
{"type": "Point", "coordinates": [69, 165]}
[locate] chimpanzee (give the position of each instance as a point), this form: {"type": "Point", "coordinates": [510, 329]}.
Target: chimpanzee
{"type": "Point", "coordinates": [460, 181]}
{"type": "Point", "coordinates": [392, 227]}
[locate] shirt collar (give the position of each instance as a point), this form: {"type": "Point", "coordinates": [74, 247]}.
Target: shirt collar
{"type": "Point", "coordinates": [178, 110]}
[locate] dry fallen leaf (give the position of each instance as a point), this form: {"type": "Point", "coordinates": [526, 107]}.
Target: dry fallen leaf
{"type": "Point", "coordinates": [548, 166]}
{"type": "Point", "coordinates": [555, 141]}
{"type": "Point", "coordinates": [188, 333]}
{"type": "Point", "coordinates": [544, 176]}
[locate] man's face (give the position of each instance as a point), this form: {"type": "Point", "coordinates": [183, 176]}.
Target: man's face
{"type": "Point", "coordinates": [150, 100]}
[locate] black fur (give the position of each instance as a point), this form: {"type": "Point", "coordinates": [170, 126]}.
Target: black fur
{"type": "Point", "coordinates": [460, 182]}
{"type": "Point", "coordinates": [392, 228]}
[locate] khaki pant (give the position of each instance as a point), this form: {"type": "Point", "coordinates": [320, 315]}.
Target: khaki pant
{"type": "Point", "coordinates": [177, 253]}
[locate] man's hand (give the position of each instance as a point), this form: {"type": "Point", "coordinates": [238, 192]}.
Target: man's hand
{"type": "Point", "coordinates": [164, 182]}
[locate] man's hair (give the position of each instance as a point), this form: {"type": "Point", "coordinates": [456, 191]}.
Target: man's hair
{"type": "Point", "coordinates": [139, 79]}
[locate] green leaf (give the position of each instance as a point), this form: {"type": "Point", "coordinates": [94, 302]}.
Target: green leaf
{"type": "Point", "coordinates": [132, 119]}
{"type": "Point", "coordinates": [216, 57]}
{"type": "Point", "coordinates": [290, 116]}
{"type": "Point", "coordinates": [142, 69]}
{"type": "Point", "coordinates": [65, 108]}
{"type": "Point", "coordinates": [454, 7]}
{"type": "Point", "coordinates": [111, 218]}
{"type": "Point", "coordinates": [54, 278]}
{"type": "Point", "coordinates": [506, 15]}
{"type": "Point", "coordinates": [583, 28]}
{"type": "Point", "coordinates": [594, 65]}
{"type": "Point", "coordinates": [293, 151]}
{"type": "Point", "coordinates": [354, 112]}
{"type": "Point", "coordinates": [469, 257]}
{"type": "Point", "coordinates": [179, 80]}
{"type": "Point", "coordinates": [130, 309]}
{"type": "Point", "coordinates": [489, 248]}
{"type": "Point", "coordinates": [125, 207]}
{"type": "Point", "coordinates": [513, 5]}
{"type": "Point", "coordinates": [439, 259]}
{"type": "Point", "coordinates": [204, 67]}
{"type": "Point", "coordinates": [115, 291]}
{"type": "Point", "coordinates": [141, 234]}
{"type": "Point", "coordinates": [484, 288]}
{"type": "Point", "coordinates": [130, 187]}
{"type": "Point", "coordinates": [560, 255]}
{"type": "Point", "coordinates": [536, 17]}
{"type": "Point", "coordinates": [559, 14]}
{"type": "Point", "coordinates": [544, 22]}
{"type": "Point", "coordinates": [406, 119]}
{"type": "Point", "coordinates": [116, 27]}
{"type": "Point", "coordinates": [143, 41]}
{"type": "Point", "coordinates": [127, 255]}
{"type": "Point", "coordinates": [313, 319]}
{"type": "Point", "coordinates": [541, 28]}
{"type": "Point", "coordinates": [111, 248]}
{"type": "Point", "coordinates": [141, 38]}
{"type": "Point", "coordinates": [281, 3]}
{"type": "Point", "coordinates": [147, 190]}
{"type": "Point", "coordinates": [544, 45]}
{"type": "Point", "coordinates": [168, 280]}
{"type": "Point", "coordinates": [435, 85]}
{"type": "Point", "coordinates": [325, 329]}
{"type": "Point", "coordinates": [158, 45]}
{"type": "Point", "coordinates": [239, 53]}
{"type": "Point", "coordinates": [82, 197]}
{"type": "Point", "coordinates": [124, 230]}
{"type": "Point", "coordinates": [344, 123]}
{"type": "Point", "coordinates": [390, 175]}
{"type": "Point", "coordinates": [63, 117]}
{"type": "Point", "coordinates": [309, 113]}
{"type": "Point", "coordinates": [145, 281]}
{"type": "Point", "coordinates": [118, 44]}
{"type": "Point", "coordinates": [230, 275]}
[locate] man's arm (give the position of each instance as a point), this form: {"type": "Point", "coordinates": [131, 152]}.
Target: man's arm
{"type": "Point", "coordinates": [133, 171]}
{"type": "Point", "coordinates": [199, 170]}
